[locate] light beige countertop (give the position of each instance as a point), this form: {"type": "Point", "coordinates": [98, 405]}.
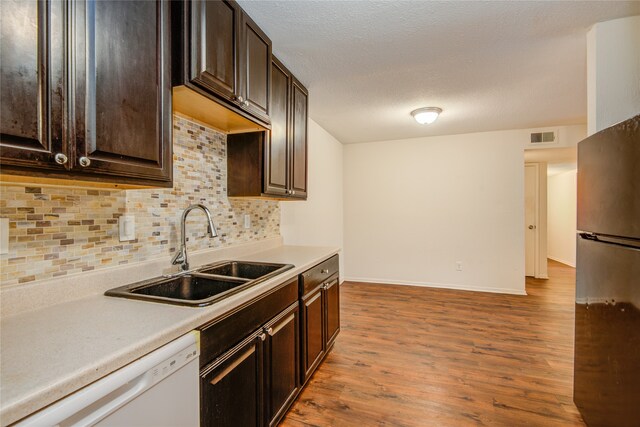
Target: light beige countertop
{"type": "Point", "coordinates": [50, 352]}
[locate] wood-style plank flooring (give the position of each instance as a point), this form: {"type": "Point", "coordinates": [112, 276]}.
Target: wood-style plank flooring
{"type": "Point", "coordinates": [414, 356]}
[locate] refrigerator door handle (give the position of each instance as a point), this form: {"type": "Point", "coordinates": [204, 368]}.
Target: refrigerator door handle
{"type": "Point", "coordinates": [625, 243]}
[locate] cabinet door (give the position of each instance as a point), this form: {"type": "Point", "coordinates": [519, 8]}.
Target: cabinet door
{"type": "Point", "coordinates": [332, 298]}
{"type": "Point", "coordinates": [231, 388]}
{"type": "Point", "coordinates": [215, 46]}
{"type": "Point", "coordinates": [32, 84]}
{"type": "Point", "coordinates": [313, 334]}
{"type": "Point", "coordinates": [123, 88]}
{"type": "Point", "coordinates": [299, 140]}
{"type": "Point", "coordinates": [276, 152]}
{"type": "Point", "coordinates": [282, 363]}
{"type": "Point", "coordinates": [255, 69]}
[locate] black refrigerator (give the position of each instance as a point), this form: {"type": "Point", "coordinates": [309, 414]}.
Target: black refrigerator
{"type": "Point", "coordinates": [607, 328]}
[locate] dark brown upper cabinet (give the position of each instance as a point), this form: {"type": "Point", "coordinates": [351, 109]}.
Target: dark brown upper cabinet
{"type": "Point", "coordinates": [298, 144]}
{"type": "Point", "coordinates": [224, 57]}
{"type": "Point", "coordinates": [277, 153]}
{"type": "Point", "coordinates": [255, 68]}
{"type": "Point", "coordinates": [123, 89]}
{"type": "Point", "coordinates": [32, 85]}
{"type": "Point", "coordinates": [101, 109]}
{"type": "Point", "coordinates": [214, 46]}
{"type": "Point", "coordinates": [273, 164]}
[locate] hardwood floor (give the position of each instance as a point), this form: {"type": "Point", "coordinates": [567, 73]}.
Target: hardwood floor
{"type": "Point", "coordinates": [412, 356]}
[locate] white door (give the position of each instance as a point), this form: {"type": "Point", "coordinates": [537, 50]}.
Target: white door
{"type": "Point", "coordinates": [530, 208]}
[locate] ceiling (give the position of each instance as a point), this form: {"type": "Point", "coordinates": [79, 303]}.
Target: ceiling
{"type": "Point", "coordinates": [488, 65]}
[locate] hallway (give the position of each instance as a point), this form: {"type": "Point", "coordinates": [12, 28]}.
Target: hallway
{"type": "Point", "coordinates": [415, 356]}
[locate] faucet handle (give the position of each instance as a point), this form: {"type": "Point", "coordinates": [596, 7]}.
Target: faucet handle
{"type": "Point", "coordinates": [179, 258]}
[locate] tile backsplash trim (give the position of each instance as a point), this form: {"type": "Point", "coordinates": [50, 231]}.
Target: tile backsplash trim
{"type": "Point", "coordinates": [58, 231]}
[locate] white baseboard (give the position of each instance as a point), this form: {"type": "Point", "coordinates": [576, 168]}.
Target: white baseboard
{"type": "Point", "coordinates": [437, 285]}
{"type": "Point", "coordinates": [562, 261]}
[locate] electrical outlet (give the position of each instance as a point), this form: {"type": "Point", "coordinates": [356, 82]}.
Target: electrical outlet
{"type": "Point", "coordinates": [247, 221]}
{"type": "Point", "coordinates": [127, 228]}
{"type": "Point", "coordinates": [458, 265]}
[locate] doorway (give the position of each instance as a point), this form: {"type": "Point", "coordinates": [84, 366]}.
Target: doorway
{"type": "Point", "coordinates": [547, 161]}
{"type": "Point", "coordinates": [535, 220]}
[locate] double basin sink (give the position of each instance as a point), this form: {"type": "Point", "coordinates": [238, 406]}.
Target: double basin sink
{"type": "Point", "coordinates": [202, 286]}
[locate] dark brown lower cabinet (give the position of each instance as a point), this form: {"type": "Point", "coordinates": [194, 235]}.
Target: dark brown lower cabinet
{"type": "Point", "coordinates": [332, 292]}
{"type": "Point", "coordinates": [320, 324]}
{"type": "Point", "coordinates": [231, 388]}
{"type": "Point", "coordinates": [313, 331]}
{"type": "Point", "coordinates": [255, 360]}
{"type": "Point", "coordinates": [282, 364]}
{"type": "Point", "coordinates": [255, 382]}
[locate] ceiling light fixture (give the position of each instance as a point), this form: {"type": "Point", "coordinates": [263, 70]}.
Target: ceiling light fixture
{"type": "Point", "coordinates": [427, 115]}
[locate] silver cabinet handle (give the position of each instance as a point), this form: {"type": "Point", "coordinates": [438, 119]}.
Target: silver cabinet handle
{"type": "Point", "coordinates": [84, 161]}
{"type": "Point", "coordinates": [326, 271]}
{"type": "Point", "coordinates": [263, 337]}
{"type": "Point", "coordinates": [326, 286]}
{"type": "Point", "coordinates": [61, 159]}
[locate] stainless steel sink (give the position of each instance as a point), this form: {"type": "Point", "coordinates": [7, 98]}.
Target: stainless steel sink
{"type": "Point", "coordinates": [202, 286]}
{"type": "Point", "coordinates": [245, 270]}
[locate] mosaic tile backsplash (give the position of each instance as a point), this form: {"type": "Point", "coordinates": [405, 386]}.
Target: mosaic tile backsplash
{"type": "Point", "coordinates": [56, 231]}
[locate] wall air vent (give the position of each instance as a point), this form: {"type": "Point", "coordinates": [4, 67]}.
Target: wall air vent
{"type": "Point", "coordinates": [543, 137]}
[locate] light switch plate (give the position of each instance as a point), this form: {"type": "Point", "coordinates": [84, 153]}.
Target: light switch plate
{"type": "Point", "coordinates": [247, 221]}
{"type": "Point", "coordinates": [127, 228]}
{"type": "Point", "coordinates": [4, 235]}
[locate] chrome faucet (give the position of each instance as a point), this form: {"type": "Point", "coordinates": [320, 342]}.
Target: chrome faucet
{"type": "Point", "coordinates": [181, 256]}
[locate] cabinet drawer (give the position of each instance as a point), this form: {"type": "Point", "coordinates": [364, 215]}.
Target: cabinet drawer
{"type": "Point", "coordinates": [222, 334]}
{"type": "Point", "coordinates": [311, 278]}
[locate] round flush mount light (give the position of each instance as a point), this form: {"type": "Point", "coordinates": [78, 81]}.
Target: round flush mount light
{"type": "Point", "coordinates": [427, 115]}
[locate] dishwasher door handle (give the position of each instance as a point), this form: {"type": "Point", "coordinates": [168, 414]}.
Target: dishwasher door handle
{"type": "Point", "coordinates": [129, 392]}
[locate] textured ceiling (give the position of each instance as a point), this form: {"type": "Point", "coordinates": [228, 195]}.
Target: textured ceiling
{"type": "Point", "coordinates": [488, 65]}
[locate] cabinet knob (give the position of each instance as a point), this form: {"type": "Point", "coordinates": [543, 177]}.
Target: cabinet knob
{"type": "Point", "coordinates": [326, 271]}
{"type": "Point", "coordinates": [61, 159]}
{"type": "Point", "coordinates": [326, 286]}
{"type": "Point", "coordinates": [263, 337]}
{"type": "Point", "coordinates": [245, 103]}
{"type": "Point", "coordinates": [293, 192]}
{"type": "Point", "coordinates": [240, 99]}
{"type": "Point", "coordinates": [269, 331]}
{"type": "Point", "coordinates": [84, 161]}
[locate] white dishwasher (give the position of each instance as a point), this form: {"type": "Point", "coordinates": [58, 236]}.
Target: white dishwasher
{"type": "Point", "coordinates": [159, 389]}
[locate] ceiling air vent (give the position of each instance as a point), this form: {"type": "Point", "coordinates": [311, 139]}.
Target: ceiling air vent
{"type": "Point", "coordinates": [543, 137]}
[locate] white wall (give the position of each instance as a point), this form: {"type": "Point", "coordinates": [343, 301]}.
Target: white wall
{"type": "Point", "coordinates": [415, 207]}
{"type": "Point", "coordinates": [318, 221]}
{"type": "Point", "coordinates": [561, 217]}
{"type": "Point", "coordinates": [613, 72]}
